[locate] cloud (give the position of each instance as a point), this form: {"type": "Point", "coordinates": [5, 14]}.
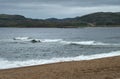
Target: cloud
{"type": "Point", "coordinates": [57, 8]}
{"type": "Point", "coordinates": [65, 2]}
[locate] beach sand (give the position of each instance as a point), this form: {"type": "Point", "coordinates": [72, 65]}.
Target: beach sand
{"type": "Point", "coordinates": [104, 68]}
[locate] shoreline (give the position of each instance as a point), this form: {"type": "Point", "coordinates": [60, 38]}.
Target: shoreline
{"type": "Point", "coordinates": [103, 68]}
{"type": "Point", "coordinates": [108, 26]}
{"type": "Point", "coordinates": [20, 64]}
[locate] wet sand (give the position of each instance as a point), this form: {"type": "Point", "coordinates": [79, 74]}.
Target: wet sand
{"type": "Point", "coordinates": [105, 68]}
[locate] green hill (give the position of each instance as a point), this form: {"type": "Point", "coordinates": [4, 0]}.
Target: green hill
{"type": "Point", "coordinates": [102, 18]}
{"type": "Point", "coordinates": [94, 19]}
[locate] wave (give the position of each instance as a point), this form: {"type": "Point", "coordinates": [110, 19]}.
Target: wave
{"type": "Point", "coordinates": [22, 38]}
{"type": "Point", "coordinates": [14, 64]}
{"type": "Point", "coordinates": [60, 41]}
{"type": "Point", "coordinates": [51, 40]}
{"type": "Point", "coordinates": [42, 40]}
{"type": "Point", "coordinates": [86, 43]}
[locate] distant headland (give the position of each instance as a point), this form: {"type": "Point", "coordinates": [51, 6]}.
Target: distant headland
{"type": "Point", "coordinates": [92, 20]}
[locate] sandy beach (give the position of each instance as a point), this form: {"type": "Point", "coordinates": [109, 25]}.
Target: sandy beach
{"type": "Point", "coordinates": [105, 68]}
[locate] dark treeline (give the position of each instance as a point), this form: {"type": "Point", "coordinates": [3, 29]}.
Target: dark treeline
{"type": "Point", "coordinates": [94, 19]}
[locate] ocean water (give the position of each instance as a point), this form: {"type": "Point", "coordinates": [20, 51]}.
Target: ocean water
{"type": "Point", "coordinates": [35, 46]}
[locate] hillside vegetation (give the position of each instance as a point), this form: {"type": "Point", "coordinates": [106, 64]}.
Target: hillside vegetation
{"type": "Point", "coordinates": [94, 19]}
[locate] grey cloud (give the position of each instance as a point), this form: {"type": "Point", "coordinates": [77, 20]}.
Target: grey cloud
{"type": "Point", "coordinates": [65, 2]}
{"type": "Point", "coordinates": [57, 8]}
{"type": "Point", "coordinates": [30, 4]}
{"type": "Point", "coordinates": [26, 4]}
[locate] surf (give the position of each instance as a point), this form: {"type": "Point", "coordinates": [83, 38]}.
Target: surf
{"type": "Point", "coordinates": [6, 64]}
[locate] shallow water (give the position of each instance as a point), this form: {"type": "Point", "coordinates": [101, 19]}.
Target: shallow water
{"type": "Point", "coordinates": [56, 44]}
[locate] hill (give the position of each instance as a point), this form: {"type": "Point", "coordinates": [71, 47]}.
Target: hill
{"type": "Point", "coordinates": [94, 19]}
{"type": "Point", "coordinates": [102, 18]}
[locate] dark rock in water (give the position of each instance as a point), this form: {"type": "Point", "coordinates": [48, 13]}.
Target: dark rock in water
{"type": "Point", "coordinates": [73, 44]}
{"type": "Point", "coordinates": [34, 41]}
{"type": "Point", "coordinates": [14, 39]}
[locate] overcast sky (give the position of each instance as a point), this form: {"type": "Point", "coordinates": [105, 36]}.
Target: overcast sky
{"type": "Point", "coordinates": [57, 8]}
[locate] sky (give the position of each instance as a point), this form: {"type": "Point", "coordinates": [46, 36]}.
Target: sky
{"type": "Point", "coordinates": [42, 9]}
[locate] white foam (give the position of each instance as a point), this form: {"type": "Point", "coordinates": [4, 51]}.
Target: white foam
{"type": "Point", "coordinates": [5, 64]}
{"type": "Point", "coordinates": [86, 43]}
{"type": "Point", "coordinates": [61, 41]}
{"type": "Point", "coordinates": [51, 40]}
{"type": "Point", "coordinates": [42, 40]}
{"type": "Point", "coordinates": [21, 38]}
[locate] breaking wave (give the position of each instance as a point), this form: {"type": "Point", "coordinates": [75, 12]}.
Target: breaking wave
{"type": "Point", "coordinates": [51, 40]}
{"type": "Point", "coordinates": [22, 38]}
{"type": "Point", "coordinates": [87, 43]}
{"type": "Point", "coordinates": [42, 40]}
{"type": "Point", "coordinates": [63, 41]}
{"type": "Point", "coordinates": [5, 64]}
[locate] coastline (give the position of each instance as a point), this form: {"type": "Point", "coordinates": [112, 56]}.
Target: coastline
{"type": "Point", "coordinates": [103, 68]}
{"type": "Point", "coordinates": [67, 26]}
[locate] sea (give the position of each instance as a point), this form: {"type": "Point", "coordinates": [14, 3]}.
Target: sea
{"type": "Point", "coordinates": [20, 47]}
